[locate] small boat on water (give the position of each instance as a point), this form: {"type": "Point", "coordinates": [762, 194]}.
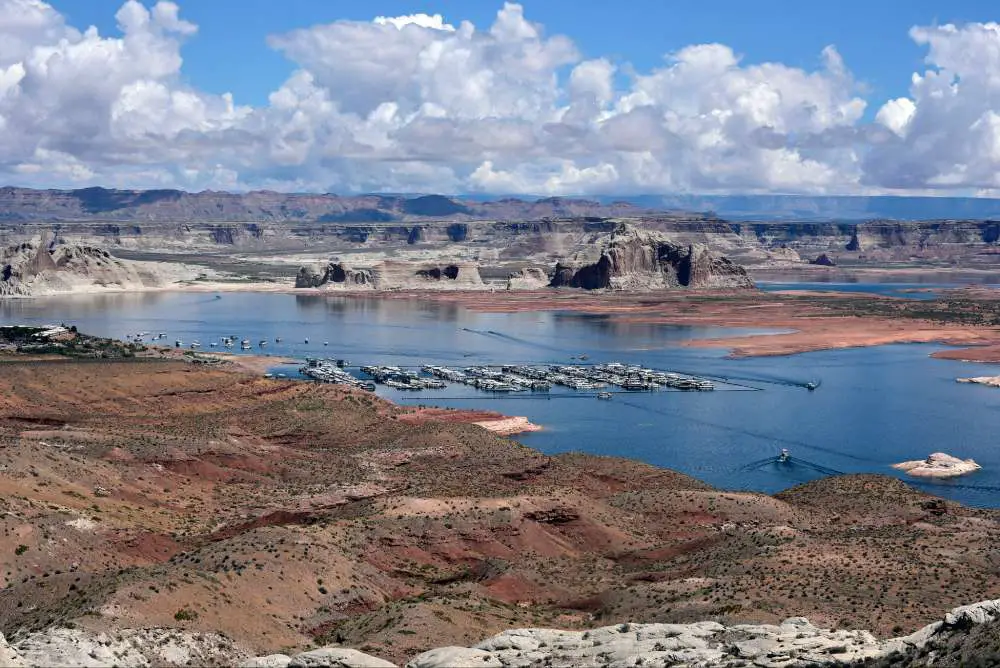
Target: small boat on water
{"type": "Point", "coordinates": [784, 456]}
{"type": "Point", "coordinates": [195, 344]}
{"type": "Point", "coordinates": [307, 340]}
{"type": "Point", "coordinates": [606, 396]}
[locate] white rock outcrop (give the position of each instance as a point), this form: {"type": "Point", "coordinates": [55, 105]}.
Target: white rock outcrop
{"type": "Point", "coordinates": [989, 381]}
{"type": "Point", "coordinates": [392, 275]}
{"type": "Point", "coordinates": [938, 465]}
{"type": "Point", "coordinates": [45, 267]}
{"type": "Point", "coordinates": [529, 278]}
{"type": "Point", "coordinates": [9, 657]}
{"type": "Point", "coordinates": [337, 657]}
{"type": "Point", "coordinates": [125, 648]}
{"type": "Point", "coordinates": [269, 661]}
{"type": "Point", "coordinates": [794, 642]}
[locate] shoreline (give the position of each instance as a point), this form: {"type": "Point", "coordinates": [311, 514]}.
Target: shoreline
{"type": "Point", "coordinates": [806, 323]}
{"type": "Point", "coordinates": [493, 421]}
{"type": "Point", "coordinates": [259, 364]}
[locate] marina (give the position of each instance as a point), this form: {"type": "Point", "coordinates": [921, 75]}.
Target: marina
{"type": "Point", "coordinates": [508, 378]}
{"type": "Point", "coordinates": [759, 404]}
{"type": "Point", "coordinates": [329, 372]}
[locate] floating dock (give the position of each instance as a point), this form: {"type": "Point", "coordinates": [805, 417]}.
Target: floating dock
{"type": "Point", "coordinates": [510, 378]}
{"type": "Point", "coordinates": [328, 372]}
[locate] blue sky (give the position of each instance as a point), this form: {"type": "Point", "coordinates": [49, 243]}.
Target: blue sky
{"type": "Point", "coordinates": [230, 54]}
{"type": "Point", "coordinates": [545, 97]}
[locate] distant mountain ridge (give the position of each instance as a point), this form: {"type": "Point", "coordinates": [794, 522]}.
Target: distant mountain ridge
{"type": "Point", "coordinates": [103, 204]}
{"type": "Point", "coordinates": [824, 207]}
{"type": "Point", "coordinates": [164, 205]}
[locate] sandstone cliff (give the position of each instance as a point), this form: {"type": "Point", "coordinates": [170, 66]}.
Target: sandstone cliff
{"type": "Point", "coordinates": [391, 275]}
{"type": "Point", "coordinates": [632, 259]}
{"type": "Point", "coordinates": [43, 266]}
{"type": "Point", "coordinates": [529, 278]}
{"type": "Point", "coordinates": [538, 241]}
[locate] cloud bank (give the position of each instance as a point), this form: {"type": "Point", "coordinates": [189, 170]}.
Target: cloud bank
{"type": "Point", "coordinates": [427, 103]}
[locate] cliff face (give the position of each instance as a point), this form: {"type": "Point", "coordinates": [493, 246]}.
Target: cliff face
{"type": "Point", "coordinates": [334, 274]}
{"type": "Point", "coordinates": [922, 236]}
{"type": "Point", "coordinates": [541, 241]}
{"type": "Point", "coordinates": [391, 275]}
{"type": "Point", "coordinates": [632, 259]}
{"type": "Point", "coordinates": [44, 266]}
{"type": "Point", "coordinates": [512, 232]}
{"type": "Point", "coordinates": [529, 278]}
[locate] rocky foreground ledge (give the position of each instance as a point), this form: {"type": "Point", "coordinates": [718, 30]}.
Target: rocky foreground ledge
{"type": "Point", "coordinates": [794, 642]}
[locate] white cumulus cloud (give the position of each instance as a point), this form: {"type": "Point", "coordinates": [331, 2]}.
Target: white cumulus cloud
{"type": "Point", "coordinates": [947, 130]}
{"type": "Point", "coordinates": [431, 103]}
{"type": "Point", "coordinates": [435, 22]}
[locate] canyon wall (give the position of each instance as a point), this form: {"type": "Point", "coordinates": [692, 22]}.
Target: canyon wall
{"type": "Point", "coordinates": [632, 259]}
{"type": "Point", "coordinates": [536, 233]}
{"type": "Point", "coordinates": [626, 259]}
{"type": "Point", "coordinates": [747, 243]}
{"type": "Point", "coordinates": [391, 275]}
{"type": "Point", "coordinates": [44, 267]}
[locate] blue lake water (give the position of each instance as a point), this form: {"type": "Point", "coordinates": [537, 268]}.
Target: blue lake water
{"type": "Point", "coordinates": [875, 406]}
{"type": "Point", "coordinates": [903, 290]}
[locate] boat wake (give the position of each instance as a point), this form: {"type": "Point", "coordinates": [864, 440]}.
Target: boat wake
{"type": "Point", "coordinates": [747, 432]}
{"type": "Point", "coordinates": [795, 462]}
{"type": "Point", "coordinates": [513, 339]}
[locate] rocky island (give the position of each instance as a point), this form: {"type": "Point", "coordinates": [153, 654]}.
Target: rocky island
{"type": "Point", "coordinates": [938, 465]}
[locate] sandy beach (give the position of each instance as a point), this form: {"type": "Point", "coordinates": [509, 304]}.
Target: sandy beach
{"type": "Point", "coordinates": [498, 423]}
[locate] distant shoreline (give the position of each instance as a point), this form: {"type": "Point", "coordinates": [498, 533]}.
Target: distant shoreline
{"type": "Point", "coordinates": [807, 321]}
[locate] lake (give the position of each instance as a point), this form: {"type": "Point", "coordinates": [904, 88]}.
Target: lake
{"type": "Point", "coordinates": [875, 406]}
{"type": "Point", "coordinates": [901, 290]}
